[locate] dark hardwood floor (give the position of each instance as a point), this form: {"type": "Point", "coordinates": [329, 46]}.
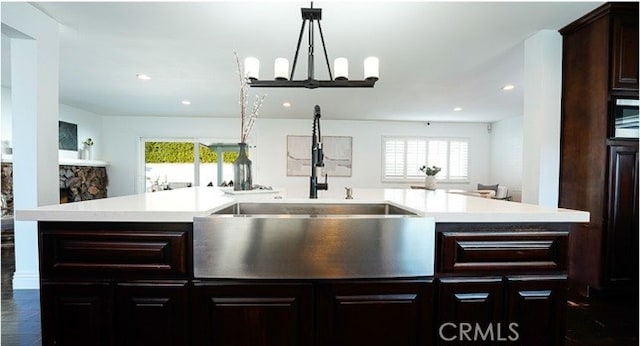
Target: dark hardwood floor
{"type": "Point", "coordinates": [20, 309]}
{"type": "Point", "coordinates": [600, 321]}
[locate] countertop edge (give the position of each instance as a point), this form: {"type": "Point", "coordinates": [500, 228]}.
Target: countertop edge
{"type": "Point", "coordinates": [157, 207]}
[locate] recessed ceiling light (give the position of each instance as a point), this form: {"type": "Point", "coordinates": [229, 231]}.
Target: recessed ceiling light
{"type": "Point", "coordinates": [457, 109]}
{"type": "Point", "coordinates": [143, 76]}
{"type": "Point", "coordinates": [508, 87]}
{"type": "Point", "coordinates": [286, 104]}
{"type": "Point", "coordinates": [186, 102]}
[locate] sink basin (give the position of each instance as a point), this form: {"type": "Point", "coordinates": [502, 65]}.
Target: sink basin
{"type": "Point", "coordinates": [315, 209]}
{"type": "Point", "coordinates": [287, 240]}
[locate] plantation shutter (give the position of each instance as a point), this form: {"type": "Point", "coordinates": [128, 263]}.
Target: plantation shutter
{"type": "Point", "coordinates": [438, 156]}
{"type": "Point", "coordinates": [394, 152]}
{"type": "Point", "coordinates": [416, 155]}
{"type": "Point", "coordinates": [458, 160]}
{"type": "Point", "coordinates": [404, 156]}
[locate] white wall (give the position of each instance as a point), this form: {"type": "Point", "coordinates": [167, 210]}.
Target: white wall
{"type": "Point", "coordinates": [506, 155]}
{"type": "Point", "coordinates": [367, 149]}
{"type": "Point", "coordinates": [89, 125]}
{"type": "Point", "coordinates": [542, 113]}
{"type": "Point", "coordinates": [122, 147]}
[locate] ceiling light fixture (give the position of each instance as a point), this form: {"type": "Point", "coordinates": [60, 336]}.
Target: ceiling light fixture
{"type": "Point", "coordinates": [508, 87]}
{"type": "Point", "coordinates": [186, 102]}
{"type": "Point", "coordinates": [341, 65]}
{"type": "Point", "coordinates": [143, 76]}
{"type": "Point", "coordinates": [286, 105]}
{"type": "Point", "coordinates": [457, 109]}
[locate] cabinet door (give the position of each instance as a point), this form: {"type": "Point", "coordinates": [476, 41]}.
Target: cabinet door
{"type": "Point", "coordinates": [152, 313]}
{"type": "Point", "coordinates": [621, 238]}
{"type": "Point", "coordinates": [624, 55]}
{"type": "Point", "coordinates": [252, 314]}
{"type": "Point", "coordinates": [76, 313]}
{"type": "Point", "coordinates": [536, 309]}
{"type": "Point", "coordinates": [375, 313]}
{"type": "Point", "coordinates": [469, 309]}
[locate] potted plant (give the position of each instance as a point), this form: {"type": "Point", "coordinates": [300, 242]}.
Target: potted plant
{"type": "Point", "coordinates": [430, 178]}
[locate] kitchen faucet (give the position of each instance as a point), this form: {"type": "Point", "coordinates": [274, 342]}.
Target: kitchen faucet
{"type": "Point", "coordinates": [317, 157]}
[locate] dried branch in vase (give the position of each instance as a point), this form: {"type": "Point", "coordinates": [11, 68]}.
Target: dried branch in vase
{"type": "Point", "coordinates": [248, 119]}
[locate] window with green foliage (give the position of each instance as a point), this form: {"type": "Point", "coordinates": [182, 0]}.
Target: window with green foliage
{"type": "Point", "coordinates": [173, 164]}
{"type": "Point", "coordinates": [181, 152]}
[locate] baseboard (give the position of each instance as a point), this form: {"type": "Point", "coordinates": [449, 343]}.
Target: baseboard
{"type": "Point", "coordinates": [26, 281]}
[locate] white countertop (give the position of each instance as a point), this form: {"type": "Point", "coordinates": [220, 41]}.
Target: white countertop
{"type": "Point", "coordinates": [181, 205]}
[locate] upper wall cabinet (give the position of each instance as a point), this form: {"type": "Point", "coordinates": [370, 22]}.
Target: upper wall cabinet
{"type": "Point", "coordinates": [624, 52]}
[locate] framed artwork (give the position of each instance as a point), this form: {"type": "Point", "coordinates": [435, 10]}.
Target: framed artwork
{"type": "Point", "coordinates": [67, 136]}
{"type": "Point", "coordinates": [337, 155]}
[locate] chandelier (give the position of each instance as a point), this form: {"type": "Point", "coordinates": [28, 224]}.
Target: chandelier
{"type": "Point", "coordinates": [284, 79]}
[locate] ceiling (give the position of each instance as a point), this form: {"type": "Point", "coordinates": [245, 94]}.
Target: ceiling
{"type": "Point", "coordinates": [434, 56]}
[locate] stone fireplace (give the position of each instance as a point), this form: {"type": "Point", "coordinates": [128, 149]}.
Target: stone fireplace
{"type": "Point", "coordinates": [77, 183]}
{"type": "Point", "coordinates": [81, 183]}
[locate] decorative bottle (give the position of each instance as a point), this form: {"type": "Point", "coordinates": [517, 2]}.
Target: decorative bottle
{"type": "Point", "coordinates": [242, 170]}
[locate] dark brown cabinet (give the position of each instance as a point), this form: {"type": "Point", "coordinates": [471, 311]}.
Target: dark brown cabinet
{"type": "Point", "coordinates": [536, 304]}
{"type": "Point", "coordinates": [151, 313]}
{"type": "Point", "coordinates": [533, 249]}
{"type": "Point", "coordinates": [598, 170]}
{"type": "Point", "coordinates": [501, 283]}
{"type": "Point", "coordinates": [624, 51]}
{"type": "Point", "coordinates": [114, 283]}
{"type": "Point", "coordinates": [375, 313]}
{"type": "Point", "coordinates": [77, 313]}
{"type": "Point", "coordinates": [520, 310]}
{"type": "Point", "coordinates": [468, 300]}
{"type": "Point", "coordinates": [252, 314]}
{"type": "Point", "coordinates": [392, 312]}
{"type": "Point", "coordinates": [621, 258]}
{"type": "Point", "coordinates": [133, 284]}
{"type": "Point", "coordinates": [107, 313]}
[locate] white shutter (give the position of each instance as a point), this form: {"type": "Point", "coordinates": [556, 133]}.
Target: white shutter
{"type": "Point", "coordinates": [458, 160]}
{"type": "Point", "coordinates": [404, 156]}
{"type": "Point", "coordinates": [416, 157]}
{"type": "Point", "coordinates": [394, 153]}
{"type": "Point", "coordinates": [438, 156]}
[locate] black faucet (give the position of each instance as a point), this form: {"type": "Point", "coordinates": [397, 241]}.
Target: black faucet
{"type": "Point", "coordinates": [317, 157]}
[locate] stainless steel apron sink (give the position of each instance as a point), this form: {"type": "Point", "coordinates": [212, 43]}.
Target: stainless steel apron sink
{"type": "Point", "coordinates": [313, 241]}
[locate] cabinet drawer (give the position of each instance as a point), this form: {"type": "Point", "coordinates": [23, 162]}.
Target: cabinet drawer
{"type": "Point", "coordinates": [107, 254]}
{"type": "Point", "coordinates": [500, 251]}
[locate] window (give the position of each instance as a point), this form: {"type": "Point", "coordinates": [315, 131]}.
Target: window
{"type": "Point", "coordinates": [403, 157]}
{"type": "Point", "coordinates": [171, 164]}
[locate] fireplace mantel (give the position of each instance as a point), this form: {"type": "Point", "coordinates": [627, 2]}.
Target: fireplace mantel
{"type": "Point", "coordinates": [66, 161]}
{"type": "Point", "coordinates": [79, 162]}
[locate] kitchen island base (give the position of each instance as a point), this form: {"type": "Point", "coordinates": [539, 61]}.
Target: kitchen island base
{"type": "Point", "coordinates": [127, 283]}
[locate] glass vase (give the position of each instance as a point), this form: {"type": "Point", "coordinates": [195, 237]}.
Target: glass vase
{"type": "Point", "coordinates": [242, 170]}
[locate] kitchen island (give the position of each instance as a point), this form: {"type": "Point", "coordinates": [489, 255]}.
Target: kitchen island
{"type": "Point", "coordinates": [120, 271]}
